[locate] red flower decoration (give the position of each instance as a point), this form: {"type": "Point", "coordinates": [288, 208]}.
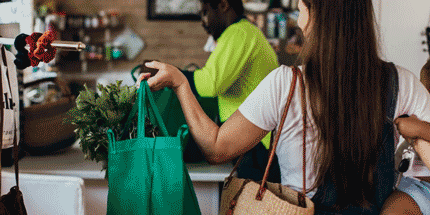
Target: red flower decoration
{"type": "Point", "coordinates": [40, 47]}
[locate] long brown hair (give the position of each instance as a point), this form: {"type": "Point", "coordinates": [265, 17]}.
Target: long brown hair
{"type": "Point", "coordinates": [344, 73]}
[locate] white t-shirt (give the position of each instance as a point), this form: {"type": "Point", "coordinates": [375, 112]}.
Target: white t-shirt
{"type": "Point", "coordinates": [264, 107]}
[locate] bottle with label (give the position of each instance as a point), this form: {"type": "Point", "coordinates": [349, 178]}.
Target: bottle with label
{"type": "Point", "coordinates": [294, 4]}
{"type": "Point", "coordinates": [282, 27]}
{"type": "Point", "coordinates": [271, 25]}
{"type": "Point", "coordinates": [117, 52]}
{"type": "Point", "coordinates": [285, 3]}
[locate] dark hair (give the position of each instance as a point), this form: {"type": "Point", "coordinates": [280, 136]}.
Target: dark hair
{"type": "Point", "coordinates": [237, 5]}
{"type": "Point", "coordinates": [344, 74]}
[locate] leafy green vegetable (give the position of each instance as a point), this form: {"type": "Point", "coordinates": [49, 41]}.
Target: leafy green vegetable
{"type": "Point", "coordinates": [95, 113]}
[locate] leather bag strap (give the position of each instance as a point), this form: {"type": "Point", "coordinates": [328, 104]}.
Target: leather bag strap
{"type": "Point", "coordinates": [15, 158]}
{"type": "Point", "coordinates": [274, 143]}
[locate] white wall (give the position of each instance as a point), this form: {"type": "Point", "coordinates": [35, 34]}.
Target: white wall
{"type": "Point", "coordinates": [18, 11]}
{"type": "Point", "coordinates": [401, 23]}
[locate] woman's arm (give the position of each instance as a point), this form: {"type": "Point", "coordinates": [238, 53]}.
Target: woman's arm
{"type": "Point", "coordinates": [219, 144]}
{"type": "Point", "coordinates": [413, 128]}
{"type": "Point", "coordinates": [422, 147]}
{"type": "Point", "coordinates": [417, 132]}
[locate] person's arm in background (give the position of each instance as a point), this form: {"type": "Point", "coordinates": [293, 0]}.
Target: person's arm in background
{"type": "Point", "coordinates": [416, 132]}
{"type": "Point", "coordinates": [225, 63]}
{"type": "Point", "coordinates": [414, 100]}
{"type": "Point", "coordinates": [413, 128]}
{"type": "Point", "coordinates": [422, 143]}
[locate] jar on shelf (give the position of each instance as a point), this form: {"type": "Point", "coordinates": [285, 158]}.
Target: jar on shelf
{"type": "Point", "coordinates": [95, 22]}
{"type": "Point", "coordinates": [99, 53]}
{"type": "Point", "coordinates": [92, 52]}
{"type": "Point", "coordinates": [62, 21]}
{"type": "Point", "coordinates": [87, 22]}
{"type": "Point", "coordinates": [114, 22]}
{"type": "Point", "coordinates": [117, 52]}
{"type": "Point", "coordinates": [104, 19]}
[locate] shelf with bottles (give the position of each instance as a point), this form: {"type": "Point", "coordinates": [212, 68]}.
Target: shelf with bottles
{"type": "Point", "coordinates": [91, 22]}
{"type": "Point", "coordinates": [279, 25]}
{"type": "Point", "coordinates": [96, 32]}
{"type": "Point", "coordinates": [102, 52]}
{"type": "Point", "coordinates": [262, 6]}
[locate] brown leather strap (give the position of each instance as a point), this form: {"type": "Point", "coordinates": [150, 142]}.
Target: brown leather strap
{"type": "Point", "coordinates": [15, 157]}
{"type": "Point", "coordinates": [304, 112]}
{"type": "Point", "coordinates": [274, 143]}
{"type": "Point", "coordinates": [272, 146]}
{"type": "Point", "coordinates": [296, 72]}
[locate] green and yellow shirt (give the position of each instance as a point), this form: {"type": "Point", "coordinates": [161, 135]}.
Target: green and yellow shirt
{"type": "Point", "coordinates": [241, 60]}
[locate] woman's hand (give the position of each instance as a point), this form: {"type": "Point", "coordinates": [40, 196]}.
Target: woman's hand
{"type": "Point", "coordinates": [410, 127]}
{"type": "Point", "coordinates": [167, 76]}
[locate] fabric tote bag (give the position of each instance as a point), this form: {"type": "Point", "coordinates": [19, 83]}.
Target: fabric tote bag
{"type": "Point", "coordinates": [147, 175]}
{"type": "Point", "coordinates": [244, 196]}
{"type": "Point", "coordinates": [13, 202]}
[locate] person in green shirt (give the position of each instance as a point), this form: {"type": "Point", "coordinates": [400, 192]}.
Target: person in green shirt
{"type": "Point", "coordinates": [241, 60]}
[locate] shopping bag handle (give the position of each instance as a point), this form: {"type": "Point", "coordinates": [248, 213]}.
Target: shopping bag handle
{"type": "Point", "coordinates": [154, 108]}
{"type": "Point", "coordinates": [141, 106]}
{"type": "Point", "coordinates": [145, 91]}
{"type": "Point", "coordinates": [182, 135]}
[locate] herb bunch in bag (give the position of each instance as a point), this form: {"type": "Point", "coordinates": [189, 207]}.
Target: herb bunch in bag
{"type": "Point", "coordinates": [95, 113]}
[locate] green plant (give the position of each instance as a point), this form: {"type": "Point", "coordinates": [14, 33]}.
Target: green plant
{"type": "Point", "coordinates": [95, 113]}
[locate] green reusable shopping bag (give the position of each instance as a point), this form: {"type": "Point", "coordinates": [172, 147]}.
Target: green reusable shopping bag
{"type": "Point", "coordinates": [171, 111]}
{"type": "Point", "coordinates": [170, 108]}
{"type": "Point", "coordinates": [147, 175]}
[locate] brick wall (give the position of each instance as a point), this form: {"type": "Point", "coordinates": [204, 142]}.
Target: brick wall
{"type": "Point", "coordinates": [175, 42]}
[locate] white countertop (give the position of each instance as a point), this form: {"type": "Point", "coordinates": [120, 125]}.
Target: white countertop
{"type": "Point", "coordinates": [71, 162]}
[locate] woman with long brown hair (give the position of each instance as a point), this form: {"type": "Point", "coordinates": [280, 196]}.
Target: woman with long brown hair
{"type": "Point", "coordinates": [347, 86]}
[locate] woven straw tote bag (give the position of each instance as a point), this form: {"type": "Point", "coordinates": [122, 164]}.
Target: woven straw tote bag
{"type": "Point", "coordinates": [244, 196]}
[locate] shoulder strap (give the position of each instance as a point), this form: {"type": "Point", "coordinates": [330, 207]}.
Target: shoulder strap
{"type": "Point", "coordinates": [301, 196]}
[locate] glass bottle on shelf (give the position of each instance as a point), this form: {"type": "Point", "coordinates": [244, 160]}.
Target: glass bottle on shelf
{"type": "Point", "coordinates": [117, 52]}
{"type": "Point", "coordinates": [104, 20]}
{"type": "Point", "coordinates": [285, 3]}
{"type": "Point", "coordinates": [257, 6]}
{"type": "Point", "coordinates": [88, 22]}
{"type": "Point", "coordinates": [271, 25]}
{"type": "Point", "coordinates": [95, 22]}
{"type": "Point", "coordinates": [114, 22]}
